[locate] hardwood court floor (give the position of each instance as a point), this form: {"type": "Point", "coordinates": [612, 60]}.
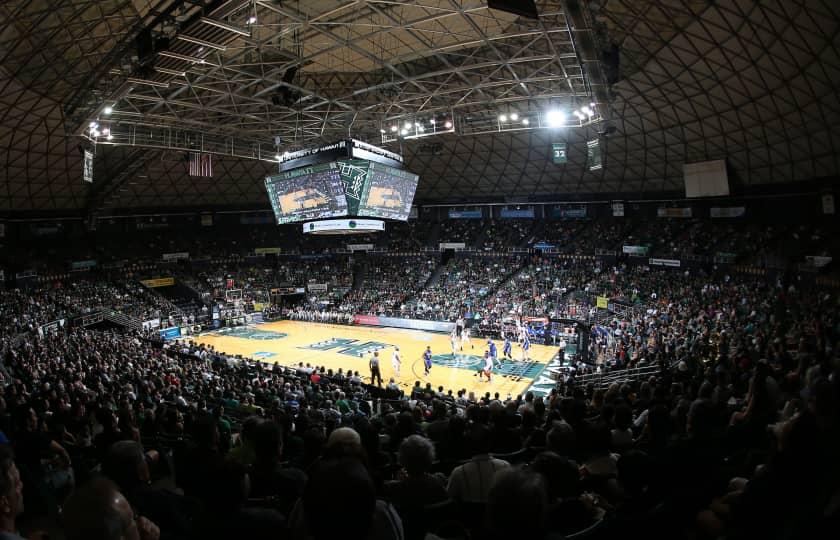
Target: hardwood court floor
{"type": "Point", "coordinates": [350, 348]}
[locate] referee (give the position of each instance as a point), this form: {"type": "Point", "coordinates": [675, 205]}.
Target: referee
{"type": "Point", "coordinates": [375, 373]}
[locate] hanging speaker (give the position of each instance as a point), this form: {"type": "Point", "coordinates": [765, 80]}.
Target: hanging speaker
{"type": "Point", "coordinates": [523, 8]}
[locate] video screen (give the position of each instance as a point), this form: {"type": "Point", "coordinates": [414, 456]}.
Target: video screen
{"type": "Point", "coordinates": [307, 193]}
{"type": "Point", "coordinates": [388, 193]}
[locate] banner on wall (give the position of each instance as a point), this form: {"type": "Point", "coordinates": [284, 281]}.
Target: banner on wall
{"type": "Point", "coordinates": [158, 282]}
{"type": "Point", "coordinates": [639, 251]}
{"type": "Point", "coordinates": [569, 212]}
{"type": "Point", "coordinates": [465, 214]}
{"type": "Point", "coordinates": [317, 287]}
{"type": "Point", "coordinates": [82, 265]}
{"type": "Point", "coordinates": [173, 332]}
{"type": "Point", "coordinates": [674, 263]}
{"type": "Point", "coordinates": [267, 251]}
{"type": "Point", "coordinates": [87, 173]}
{"type": "Point", "coordinates": [151, 324]}
{"type": "Point", "coordinates": [618, 209]}
{"type": "Point", "coordinates": [453, 245]}
{"type": "Point", "coordinates": [360, 247]}
{"type": "Point", "coordinates": [674, 212]}
{"type": "Point", "coordinates": [593, 155]}
{"type": "Point", "coordinates": [602, 302]}
{"type": "Point", "coordinates": [828, 204]}
{"type": "Point", "coordinates": [558, 153]}
{"type": "Point", "coordinates": [179, 256]}
{"type": "Point", "coordinates": [527, 213]}
{"type": "Point", "coordinates": [727, 211]}
{"type": "Point", "coordinates": [413, 324]}
{"type": "Point", "coordinates": [818, 261]}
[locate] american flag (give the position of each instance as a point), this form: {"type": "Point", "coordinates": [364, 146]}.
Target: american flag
{"type": "Point", "coordinates": [201, 164]}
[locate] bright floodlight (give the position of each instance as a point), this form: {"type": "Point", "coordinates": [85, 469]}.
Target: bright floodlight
{"type": "Point", "coordinates": [514, 117]}
{"type": "Point", "coordinates": [448, 124]}
{"type": "Point", "coordinates": [432, 121]}
{"type": "Point", "coordinates": [278, 157]}
{"type": "Point", "coordinates": [394, 128]}
{"type": "Point", "coordinates": [252, 19]}
{"type": "Point", "coordinates": [555, 118]}
{"type": "Point", "coordinates": [502, 118]}
{"type": "Point", "coordinates": [408, 125]}
{"type": "Point", "coordinates": [108, 109]}
{"type": "Point", "coordinates": [525, 121]}
{"type": "Point", "coordinates": [404, 132]}
{"type": "Point", "coordinates": [587, 111]}
{"type": "Point", "coordinates": [110, 137]}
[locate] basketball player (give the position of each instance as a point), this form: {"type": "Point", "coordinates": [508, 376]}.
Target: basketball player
{"type": "Point", "coordinates": [459, 326]}
{"type": "Point", "coordinates": [453, 339]}
{"type": "Point", "coordinates": [526, 345]}
{"type": "Point", "coordinates": [375, 373]}
{"type": "Point", "coordinates": [396, 362]}
{"type": "Point", "coordinates": [465, 338]}
{"type": "Point", "coordinates": [494, 352]}
{"type": "Point", "coordinates": [488, 366]}
{"type": "Point", "coordinates": [506, 349]}
{"type": "Point", "coordinates": [427, 360]}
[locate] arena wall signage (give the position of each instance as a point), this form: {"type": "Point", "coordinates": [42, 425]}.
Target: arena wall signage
{"type": "Point", "coordinates": [267, 251]}
{"type": "Point", "coordinates": [345, 149]}
{"type": "Point", "coordinates": [317, 287]}
{"type": "Point", "coordinates": [514, 213]}
{"type": "Point", "coordinates": [82, 265]}
{"type": "Point", "coordinates": [675, 263]}
{"type": "Point", "coordinates": [413, 324]}
{"type": "Point", "coordinates": [452, 245]}
{"type": "Point", "coordinates": [465, 214]}
{"type": "Point", "coordinates": [158, 282]}
{"type": "Point", "coordinates": [360, 247]}
{"type": "Point", "coordinates": [178, 256]}
{"type": "Point", "coordinates": [339, 226]}
{"type": "Point", "coordinates": [674, 212]}
{"type": "Point", "coordinates": [727, 211]}
{"type": "Point", "coordinates": [567, 212]}
{"type": "Point", "coordinates": [640, 251]}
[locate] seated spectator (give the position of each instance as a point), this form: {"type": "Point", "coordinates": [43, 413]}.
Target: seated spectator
{"type": "Point", "coordinates": [98, 511]}
{"type": "Point", "coordinates": [126, 465]}
{"type": "Point", "coordinates": [517, 505]}
{"type": "Point", "coordinates": [417, 487]}
{"type": "Point", "coordinates": [340, 502]}
{"type": "Point", "coordinates": [268, 477]}
{"type": "Point", "coordinates": [471, 481]}
{"type": "Point", "coordinates": [11, 495]}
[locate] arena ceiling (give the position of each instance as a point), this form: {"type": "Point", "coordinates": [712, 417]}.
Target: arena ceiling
{"type": "Point", "coordinates": [754, 83]}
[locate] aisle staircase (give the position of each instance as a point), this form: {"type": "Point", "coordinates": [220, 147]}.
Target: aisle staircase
{"type": "Point", "coordinates": [122, 319]}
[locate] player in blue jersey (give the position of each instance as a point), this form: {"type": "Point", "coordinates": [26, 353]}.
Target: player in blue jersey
{"type": "Point", "coordinates": [427, 360]}
{"type": "Point", "coordinates": [494, 352]}
{"type": "Point", "coordinates": [507, 348]}
{"type": "Point", "coordinates": [526, 345]}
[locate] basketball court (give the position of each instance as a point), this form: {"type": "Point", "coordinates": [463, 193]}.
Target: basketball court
{"type": "Point", "coordinates": [350, 347]}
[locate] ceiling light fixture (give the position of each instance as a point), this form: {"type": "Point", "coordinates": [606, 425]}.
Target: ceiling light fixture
{"type": "Point", "coordinates": [448, 124]}
{"type": "Point", "coordinates": [394, 128]}
{"type": "Point", "coordinates": [555, 118]}
{"type": "Point", "coordinates": [502, 118]}
{"type": "Point", "coordinates": [514, 117]}
{"type": "Point", "coordinates": [108, 109]}
{"type": "Point", "coordinates": [525, 121]}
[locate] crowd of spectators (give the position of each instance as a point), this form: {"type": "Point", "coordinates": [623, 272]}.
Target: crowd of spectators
{"type": "Point", "coordinates": [184, 442]}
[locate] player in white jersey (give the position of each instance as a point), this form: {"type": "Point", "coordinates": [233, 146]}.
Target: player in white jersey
{"type": "Point", "coordinates": [453, 339]}
{"type": "Point", "coordinates": [396, 363]}
{"type": "Point", "coordinates": [465, 338]}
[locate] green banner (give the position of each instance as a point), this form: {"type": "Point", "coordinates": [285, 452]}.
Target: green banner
{"type": "Point", "coordinates": [354, 174]}
{"type": "Point", "coordinates": [558, 153]}
{"type": "Point", "coordinates": [593, 155]}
